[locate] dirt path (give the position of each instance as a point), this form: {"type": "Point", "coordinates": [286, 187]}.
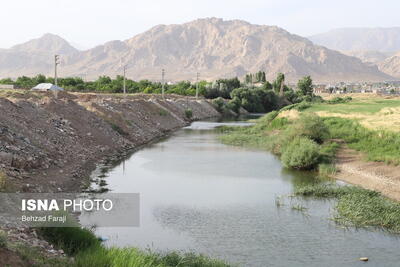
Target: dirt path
{"type": "Point", "coordinates": [376, 176]}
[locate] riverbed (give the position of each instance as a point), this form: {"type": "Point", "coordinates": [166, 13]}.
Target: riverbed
{"type": "Point", "coordinates": [233, 203]}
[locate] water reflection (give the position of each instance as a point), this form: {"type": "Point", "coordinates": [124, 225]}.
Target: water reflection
{"type": "Point", "coordinates": [198, 194]}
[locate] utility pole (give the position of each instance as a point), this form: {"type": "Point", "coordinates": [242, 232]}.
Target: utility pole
{"type": "Point", "coordinates": [163, 75]}
{"type": "Point", "coordinates": [56, 62]}
{"type": "Point", "coordinates": [197, 85]}
{"type": "Point", "coordinates": [124, 80]}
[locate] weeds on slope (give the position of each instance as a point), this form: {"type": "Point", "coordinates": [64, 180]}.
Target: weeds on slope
{"type": "Point", "coordinates": [380, 146]}
{"type": "Point", "coordinates": [88, 251]}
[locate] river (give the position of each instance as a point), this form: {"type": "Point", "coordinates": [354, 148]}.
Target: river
{"type": "Point", "coordinates": [200, 195]}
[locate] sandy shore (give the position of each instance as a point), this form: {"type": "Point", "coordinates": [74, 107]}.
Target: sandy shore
{"type": "Point", "coordinates": [377, 176]}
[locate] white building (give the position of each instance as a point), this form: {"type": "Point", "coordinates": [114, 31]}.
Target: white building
{"type": "Point", "coordinates": [47, 87]}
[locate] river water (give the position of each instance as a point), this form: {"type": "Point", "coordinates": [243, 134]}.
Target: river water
{"type": "Point", "coordinates": [200, 195]}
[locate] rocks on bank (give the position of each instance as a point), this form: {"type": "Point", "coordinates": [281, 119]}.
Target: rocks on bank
{"type": "Point", "coordinates": [50, 144]}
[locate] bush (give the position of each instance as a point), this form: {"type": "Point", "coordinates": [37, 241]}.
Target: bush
{"type": "Point", "coordinates": [311, 126]}
{"type": "Point", "coordinates": [188, 113]}
{"type": "Point", "coordinates": [303, 106]}
{"type": "Point", "coordinates": [256, 99]}
{"type": "Point", "coordinates": [219, 104]}
{"type": "Point", "coordinates": [118, 129]}
{"type": "Point", "coordinates": [301, 153]}
{"type": "Point", "coordinates": [234, 105]}
{"type": "Point", "coordinates": [3, 239]}
{"type": "Point", "coordinates": [339, 100]}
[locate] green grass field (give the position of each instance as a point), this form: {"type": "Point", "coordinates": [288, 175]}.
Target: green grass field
{"type": "Point", "coordinates": [374, 113]}
{"type": "Point", "coordinates": [367, 106]}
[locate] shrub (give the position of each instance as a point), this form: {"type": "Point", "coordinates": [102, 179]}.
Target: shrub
{"type": "Point", "coordinates": [219, 104]}
{"type": "Point", "coordinates": [301, 153]}
{"type": "Point", "coordinates": [302, 106]}
{"type": "Point", "coordinates": [311, 126]}
{"type": "Point", "coordinates": [234, 105]}
{"type": "Point", "coordinates": [3, 239]}
{"type": "Point", "coordinates": [339, 100]}
{"type": "Point", "coordinates": [188, 113]}
{"type": "Point", "coordinates": [118, 129]}
{"type": "Point", "coordinates": [162, 112]}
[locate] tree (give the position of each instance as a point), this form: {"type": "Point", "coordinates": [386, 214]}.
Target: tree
{"type": "Point", "coordinates": [280, 78]}
{"type": "Point", "coordinates": [6, 81]}
{"type": "Point", "coordinates": [40, 78]}
{"type": "Point", "coordinates": [305, 86]}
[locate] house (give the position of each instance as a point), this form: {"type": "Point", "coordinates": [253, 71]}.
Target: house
{"type": "Point", "coordinates": [47, 87]}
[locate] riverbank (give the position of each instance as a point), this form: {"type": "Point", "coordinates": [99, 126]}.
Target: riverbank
{"type": "Point", "coordinates": [52, 144]}
{"type": "Point", "coordinates": [338, 147]}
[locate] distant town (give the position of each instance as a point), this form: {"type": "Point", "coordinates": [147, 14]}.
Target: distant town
{"type": "Point", "coordinates": [384, 88]}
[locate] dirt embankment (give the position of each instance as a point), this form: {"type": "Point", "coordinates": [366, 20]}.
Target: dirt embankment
{"type": "Point", "coordinates": [50, 144]}
{"type": "Point", "coordinates": [377, 176]}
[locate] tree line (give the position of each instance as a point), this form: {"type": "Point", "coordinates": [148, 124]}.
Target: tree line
{"type": "Point", "coordinates": [264, 98]}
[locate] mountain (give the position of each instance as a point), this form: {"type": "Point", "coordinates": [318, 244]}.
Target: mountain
{"type": "Point", "coordinates": [391, 65]}
{"type": "Point", "coordinates": [368, 56]}
{"type": "Point", "coordinates": [48, 43]}
{"type": "Point", "coordinates": [33, 57]}
{"type": "Point", "coordinates": [360, 39]}
{"type": "Point", "coordinates": [215, 48]}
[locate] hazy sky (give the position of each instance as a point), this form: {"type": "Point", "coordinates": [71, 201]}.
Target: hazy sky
{"type": "Point", "coordinates": [92, 22]}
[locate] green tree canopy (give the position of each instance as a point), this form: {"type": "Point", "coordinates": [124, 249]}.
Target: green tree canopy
{"type": "Point", "coordinates": [305, 86]}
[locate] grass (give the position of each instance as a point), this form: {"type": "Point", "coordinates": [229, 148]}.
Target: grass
{"type": "Point", "coordinates": [89, 252]}
{"type": "Point", "coordinates": [70, 239]}
{"type": "Point", "coordinates": [380, 146]}
{"type": "Point", "coordinates": [188, 113]}
{"type": "Point", "coordinates": [298, 207]}
{"type": "Point", "coordinates": [3, 239]}
{"type": "Point", "coordinates": [369, 106]}
{"type": "Point", "coordinates": [327, 169]}
{"type": "Point", "coordinates": [302, 143]}
{"type": "Point", "coordinates": [357, 206]}
{"type": "Point", "coordinates": [35, 258]}
{"type": "Point", "coordinates": [163, 112]}
{"type": "Point", "coordinates": [132, 257]}
{"type": "Point", "coordinates": [372, 113]}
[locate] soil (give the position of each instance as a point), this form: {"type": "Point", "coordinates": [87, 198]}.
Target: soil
{"type": "Point", "coordinates": [52, 144]}
{"type": "Point", "coordinates": [11, 259]}
{"type": "Point", "coordinates": [377, 176]}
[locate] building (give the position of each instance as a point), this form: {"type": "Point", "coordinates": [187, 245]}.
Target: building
{"type": "Point", "coordinates": [47, 87]}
